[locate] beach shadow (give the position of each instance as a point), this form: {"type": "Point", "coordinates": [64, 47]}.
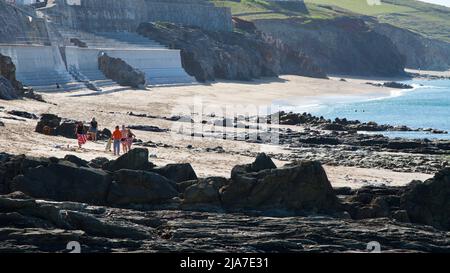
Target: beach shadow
{"type": "Point", "coordinates": [99, 93]}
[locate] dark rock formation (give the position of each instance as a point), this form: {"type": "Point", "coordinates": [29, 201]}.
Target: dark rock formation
{"type": "Point", "coordinates": [342, 45]}
{"type": "Point", "coordinates": [429, 202]}
{"type": "Point", "coordinates": [10, 88]}
{"type": "Point", "coordinates": [50, 124]}
{"type": "Point", "coordinates": [300, 187]}
{"type": "Point", "coordinates": [228, 55]}
{"type": "Point", "coordinates": [177, 172]}
{"type": "Point", "coordinates": [121, 72]}
{"type": "Point", "coordinates": [64, 182]}
{"type": "Point", "coordinates": [262, 162]}
{"type": "Point", "coordinates": [140, 187]}
{"type": "Point", "coordinates": [78, 43]}
{"type": "Point", "coordinates": [7, 91]}
{"type": "Point", "coordinates": [205, 191]}
{"type": "Point", "coordinates": [136, 159]}
{"type": "Point", "coordinates": [22, 114]}
{"type": "Point", "coordinates": [148, 128]}
{"type": "Point", "coordinates": [392, 85]}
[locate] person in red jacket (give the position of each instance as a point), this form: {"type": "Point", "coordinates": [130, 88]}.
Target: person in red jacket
{"type": "Point", "coordinates": [117, 137]}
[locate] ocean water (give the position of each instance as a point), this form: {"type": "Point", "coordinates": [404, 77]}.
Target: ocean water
{"type": "Point", "coordinates": [425, 106]}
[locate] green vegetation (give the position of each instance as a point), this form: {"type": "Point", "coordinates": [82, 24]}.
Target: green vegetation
{"type": "Point", "coordinates": [427, 19]}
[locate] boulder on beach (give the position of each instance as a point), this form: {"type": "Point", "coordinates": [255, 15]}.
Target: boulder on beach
{"type": "Point", "coordinates": [140, 187]}
{"type": "Point", "coordinates": [205, 191]}
{"type": "Point", "coordinates": [262, 162]}
{"type": "Point", "coordinates": [303, 186]}
{"type": "Point", "coordinates": [429, 202]}
{"type": "Point", "coordinates": [121, 72]}
{"type": "Point", "coordinates": [136, 159]}
{"type": "Point", "coordinates": [177, 172]}
{"type": "Point", "coordinates": [64, 182]}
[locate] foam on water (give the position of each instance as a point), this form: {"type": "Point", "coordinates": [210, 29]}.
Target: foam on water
{"type": "Point", "coordinates": [427, 105]}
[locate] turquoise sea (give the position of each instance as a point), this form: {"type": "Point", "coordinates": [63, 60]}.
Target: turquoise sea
{"type": "Point", "coordinates": [425, 106]}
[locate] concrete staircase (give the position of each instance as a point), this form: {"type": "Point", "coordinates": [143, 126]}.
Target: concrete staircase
{"type": "Point", "coordinates": [108, 40]}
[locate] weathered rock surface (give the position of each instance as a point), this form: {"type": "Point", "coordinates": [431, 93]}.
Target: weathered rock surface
{"type": "Point", "coordinates": [344, 45]}
{"type": "Point", "coordinates": [136, 159]}
{"type": "Point", "coordinates": [389, 215]}
{"type": "Point", "coordinates": [30, 226]}
{"type": "Point", "coordinates": [140, 187]}
{"type": "Point", "coordinates": [429, 202]}
{"type": "Point", "coordinates": [64, 182]}
{"type": "Point", "coordinates": [205, 191]}
{"type": "Point", "coordinates": [50, 124]}
{"type": "Point", "coordinates": [121, 72]}
{"type": "Point", "coordinates": [177, 172]}
{"type": "Point", "coordinates": [208, 55]}
{"type": "Point", "coordinates": [301, 187]}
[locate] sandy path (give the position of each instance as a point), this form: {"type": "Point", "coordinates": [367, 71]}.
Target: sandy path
{"type": "Point", "coordinates": [110, 109]}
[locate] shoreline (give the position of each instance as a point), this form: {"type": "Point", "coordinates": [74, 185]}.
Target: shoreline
{"type": "Point", "coordinates": [112, 107]}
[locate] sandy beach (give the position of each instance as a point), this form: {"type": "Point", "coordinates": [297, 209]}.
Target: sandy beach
{"type": "Point", "coordinates": [111, 107]}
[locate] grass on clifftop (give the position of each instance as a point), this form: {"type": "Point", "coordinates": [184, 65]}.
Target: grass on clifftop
{"type": "Point", "coordinates": [427, 19]}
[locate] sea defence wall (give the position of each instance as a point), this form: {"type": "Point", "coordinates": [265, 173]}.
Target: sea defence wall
{"type": "Point", "coordinates": [40, 67]}
{"type": "Point", "coordinates": [161, 66]}
{"type": "Point", "coordinates": [118, 15]}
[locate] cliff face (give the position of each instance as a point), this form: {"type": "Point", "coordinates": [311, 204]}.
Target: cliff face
{"type": "Point", "coordinates": [208, 55]}
{"type": "Point", "coordinates": [16, 27]}
{"type": "Point", "coordinates": [420, 52]}
{"type": "Point", "coordinates": [342, 46]}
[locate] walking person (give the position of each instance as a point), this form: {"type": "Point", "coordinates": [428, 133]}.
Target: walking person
{"type": "Point", "coordinates": [117, 137]}
{"type": "Point", "coordinates": [81, 136]}
{"type": "Point", "coordinates": [93, 129]}
{"type": "Point", "coordinates": [130, 138]}
{"type": "Point", "coordinates": [123, 140]}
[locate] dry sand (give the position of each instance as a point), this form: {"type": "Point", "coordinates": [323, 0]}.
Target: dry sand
{"type": "Point", "coordinates": [111, 106]}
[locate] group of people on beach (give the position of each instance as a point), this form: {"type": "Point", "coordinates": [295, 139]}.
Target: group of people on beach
{"type": "Point", "coordinates": [120, 137]}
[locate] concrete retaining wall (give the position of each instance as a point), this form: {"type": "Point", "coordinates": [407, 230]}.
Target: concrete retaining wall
{"type": "Point", "coordinates": [39, 66]}
{"type": "Point", "coordinates": [161, 66]}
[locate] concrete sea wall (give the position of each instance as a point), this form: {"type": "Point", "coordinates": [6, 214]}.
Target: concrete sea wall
{"type": "Point", "coordinates": [161, 66]}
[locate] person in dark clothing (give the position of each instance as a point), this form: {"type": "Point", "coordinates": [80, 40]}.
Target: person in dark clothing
{"type": "Point", "coordinates": [93, 129]}
{"type": "Point", "coordinates": [81, 136]}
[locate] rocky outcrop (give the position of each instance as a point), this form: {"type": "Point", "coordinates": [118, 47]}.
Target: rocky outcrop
{"type": "Point", "coordinates": [136, 159]}
{"type": "Point", "coordinates": [119, 71]}
{"type": "Point", "coordinates": [50, 124]}
{"type": "Point", "coordinates": [420, 52]}
{"type": "Point", "coordinates": [27, 225]}
{"type": "Point", "coordinates": [343, 45]}
{"type": "Point", "coordinates": [140, 187]}
{"type": "Point", "coordinates": [301, 187]}
{"type": "Point", "coordinates": [64, 182]}
{"type": "Point", "coordinates": [385, 214]}
{"type": "Point", "coordinates": [429, 202]}
{"type": "Point", "coordinates": [177, 172]}
{"type": "Point", "coordinates": [242, 55]}
{"type": "Point", "coordinates": [10, 88]}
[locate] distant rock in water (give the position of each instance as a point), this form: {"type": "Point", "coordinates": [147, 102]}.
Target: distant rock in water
{"type": "Point", "coordinates": [396, 85]}
{"type": "Point", "coordinates": [119, 71]}
{"type": "Point", "coordinates": [240, 55]}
